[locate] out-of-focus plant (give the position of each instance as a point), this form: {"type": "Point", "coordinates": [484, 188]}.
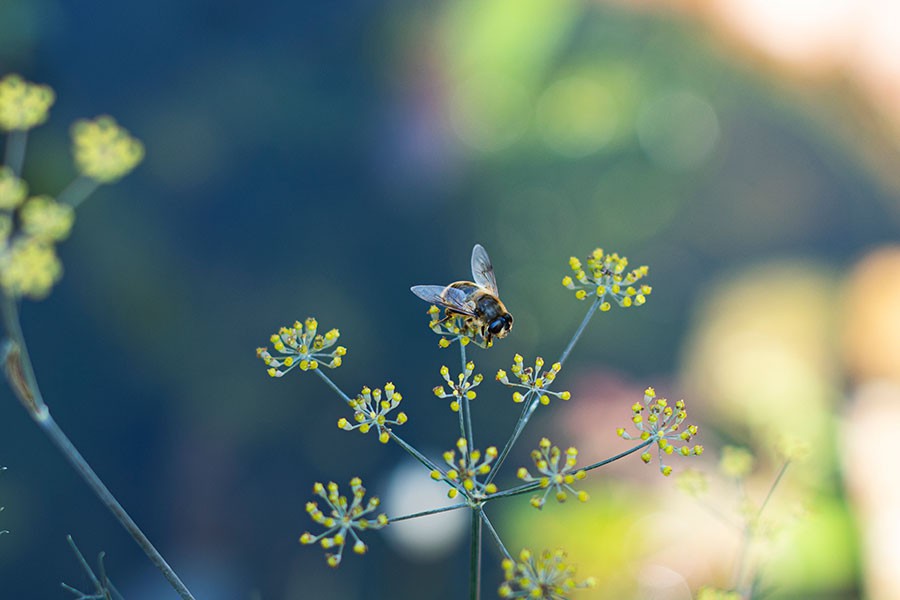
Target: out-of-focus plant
{"type": "Point", "coordinates": [468, 472]}
{"type": "Point", "coordinates": [736, 464]}
{"type": "Point", "coordinates": [30, 228]}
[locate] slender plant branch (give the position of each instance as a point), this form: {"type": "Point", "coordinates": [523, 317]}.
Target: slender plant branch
{"type": "Point", "coordinates": [584, 323]}
{"type": "Point", "coordinates": [332, 385]}
{"type": "Point", "coordinates": [418, 456]}
{"type": "Point", "coordinates": [531, 401]}
{"type": "Point", "coordinates": [466, 406]}
{"type": "Point", "coordinates": [16, 141]}
{"type": "Point", "coordinates": [78, 191]}
{"type": "Point", "coordinates": [775, 483]}
{"type": "Point", "coordinates": [462, 421]}
{"type": "Point", "coordinates": [431, 511]}
{"type": "Point", "coordinates": [20, 374]}
{"type": "Point", "coordinates": [84, 564]}
{"type": "Point", "coordinates": [475, 555]}
{"type": "Point", "coordinates": [495, 535]}
{"type": "Point", "coordinates": [742, 564]}
{"type": "Point", "coordinates": [17, 363]}
{"type": "Point", "coordinates": [605, 462]}
{"type": "Point", "coordinates": [515, 491]}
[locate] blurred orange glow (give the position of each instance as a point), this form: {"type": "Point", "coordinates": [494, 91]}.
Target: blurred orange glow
{"type": "Point", "coordinates": [872, 325]}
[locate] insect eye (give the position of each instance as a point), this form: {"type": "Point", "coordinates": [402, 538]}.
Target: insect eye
{"type": "Point", "coordinates": [497, 325]}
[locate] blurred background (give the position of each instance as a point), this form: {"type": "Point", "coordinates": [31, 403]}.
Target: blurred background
{"type": "Point", "coordinates": [318, 158]}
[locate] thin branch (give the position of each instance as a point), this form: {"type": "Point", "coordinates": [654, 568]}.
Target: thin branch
{"type": "Point", "coordinates": [495, 535]}
{"type": "Point", "coordinates": [475, 556]}
{"type": "Point", "coordinates": [584, 323]}
{"type": "Point", "coordinates": [332, 385]}
{"type": "Point", "coordinates": [78, 191]}
{"type": "Point", "coordinates": [530, 401]}
{"type": "Point", "coordinates": [602, 463]}
{"type": "Point", "coordinates": [20, 373]}
{"type": "Point", "coordinates": [775, 483]}
{"type": "Point", "coordinates": [466, 407]}
{"type": "Point", "coordinates": [16, 141]}
{"type": "Point", "coordinates": [425, 513]}
{"type": "Point", "coordinates": [415, 453]}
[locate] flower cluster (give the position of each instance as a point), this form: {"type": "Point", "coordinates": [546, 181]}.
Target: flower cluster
{"type": "Point", "coordinates": [543, 577]}
{"type": "Point", "coordinates": [463, 473]}
{"type": "Point", "coordinates": [345, 519]}
{"type": "Point", "coordinates": [533, 380]}
{"type": "Point", "coordinates": [461, 388]}
{"type": "Point", "coordinates": [455, 329]}
{"type": "Point", "coordinates": [31, 226]}
{"type": "Point", "coordinates": [692, 482]}
{"type": "Point", "coordinates": [302, 346]}
{"type": "Point", "coordinates": [736, 462]}
{"type": "Point", "coordinates": [662, 425]}
{"type": "Point", "coordinates": [370, 410]}
{"type": "Point", "coordinates": [605, 277]}
{"type": "Point", "coordinates": [554, 476]}
{"type": "Point", "coordinates": [23, 105]}
{"type": "Point", "coordinates": [105, 151]}
{"type": "Point", "coordinates": [12, 189]}
{"type": "Point", "coordinates": [29, 265]}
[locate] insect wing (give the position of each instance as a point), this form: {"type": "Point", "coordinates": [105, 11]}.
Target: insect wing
{"type": "Point", "coordinates": [483, 270]}
{"type": "Point", "coordinates": [445, 296]}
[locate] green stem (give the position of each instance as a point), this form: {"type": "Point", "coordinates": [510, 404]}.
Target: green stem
{"type": "Point", "coordinates": [584, 323]}
{"type": "Point", "coordinates": [21, 375]}
{"type": "Point", "coordinates": [17, 363]}
{"type": "Point", "coordinates": [84, 564]}
{"type": "Point", "coordinates": [462, 421]}
{"type": "Point", "coordinates": [414, 453]}
{"type": "Point", "coordinates": [475, 556]}
{"type": "Point", "coordinates": [425, 513]}
{"type": "Point", "coordinates": [78, 191]}
{"type": "Point", "coordinates": [742, 564]}
{"type": "Point", "coordinates": [96, 484]}
{"type": "Point", "coordinates": [605, 462]}
{"type": "Point", "coordinates": [333, 385]}
{"type": "Point", "coordinates": [772, 488]}
{"type": "Point", "coordinates": [527, 411]}
{"type": "Point", "coordinates": [495, 535]}
{"type": "Point", "coordinates": [16, 141]}
{"type": "Point", "coordinates": [466, 407]}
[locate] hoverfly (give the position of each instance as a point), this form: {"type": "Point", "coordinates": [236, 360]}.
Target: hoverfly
{"type": "Point", "coordinates": [477, 303]}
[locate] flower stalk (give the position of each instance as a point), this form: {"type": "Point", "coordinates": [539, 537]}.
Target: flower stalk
{"type": "Point", "coordinates": [30, 396]}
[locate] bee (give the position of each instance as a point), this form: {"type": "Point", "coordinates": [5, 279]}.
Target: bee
{"type": "Point", "coordinates": [476, 302]}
